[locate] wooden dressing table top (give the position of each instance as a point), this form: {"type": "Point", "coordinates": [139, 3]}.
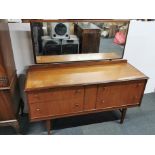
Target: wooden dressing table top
{"type": "Point", "coordinates": [81, 74]}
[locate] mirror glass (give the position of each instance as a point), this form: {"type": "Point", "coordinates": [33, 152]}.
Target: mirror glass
{"type": "Point", "coordinates": [51, 40]}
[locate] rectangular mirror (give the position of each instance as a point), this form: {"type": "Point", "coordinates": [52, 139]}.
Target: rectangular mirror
{"type": "Point", "coordinates": [67, 40]}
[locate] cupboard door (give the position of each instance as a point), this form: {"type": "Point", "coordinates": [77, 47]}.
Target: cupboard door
{"type": "Point", "coordinates": [137, 92]}
{"type": "Point", "coordinates": [90, 41]}
{"type": "Point", "coordinates": [109, 96]}
{"type": "Point", "coordinates": [6, 107]}
{"type": "Point", "coordinates": [90, 97]}
{"type": "Point", "coordinates": [121, 94]}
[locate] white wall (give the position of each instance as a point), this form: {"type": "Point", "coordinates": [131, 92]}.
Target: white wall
{"type": "Point", "coordinates": [140, 48]}
{"type": "Point", "coordinates": [22, 45]}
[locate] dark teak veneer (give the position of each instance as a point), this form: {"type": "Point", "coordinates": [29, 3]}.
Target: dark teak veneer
{"type": "Point", "coordinates": [9, 96]}
{"type": "Point", "coordinates": [78, 88]}
{"type": "Point", "coordinates": [89, 37]}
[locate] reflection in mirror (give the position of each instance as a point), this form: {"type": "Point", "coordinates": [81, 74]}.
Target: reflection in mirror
{"type": "Point", "coordinates": [53, 39]}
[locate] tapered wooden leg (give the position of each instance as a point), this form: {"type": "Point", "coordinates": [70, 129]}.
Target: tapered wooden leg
{"type": "Point", "coordinates": [48, 125]}
{"type": "Point", "coordinates": [123, 113]}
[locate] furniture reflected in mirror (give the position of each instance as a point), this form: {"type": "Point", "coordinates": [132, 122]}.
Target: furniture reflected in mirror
{"type": "Point", "coordinates": [56, 38]}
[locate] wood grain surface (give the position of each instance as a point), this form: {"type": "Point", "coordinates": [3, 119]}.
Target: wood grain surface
{"type": "Point", "coordinates": [81, 75]}
{"type": "Point", "coordinates": [77, 57]}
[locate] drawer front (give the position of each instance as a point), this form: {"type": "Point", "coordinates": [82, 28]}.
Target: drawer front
{"type": "Point", "coordinates": [119, 95]}
{"type": "Point", "coordinates": [63, 103]}
{"type": "Point", "coordinates": [55, 94]}
{"type": "Point", "coordinates": [55, 108]}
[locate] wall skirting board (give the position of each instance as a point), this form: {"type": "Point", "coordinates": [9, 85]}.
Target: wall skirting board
{"type": "Point", "coordinates": [139, 48]}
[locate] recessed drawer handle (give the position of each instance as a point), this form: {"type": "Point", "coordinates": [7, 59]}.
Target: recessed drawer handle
{"type": "Point", "coordinates": [102, 101]}
{"type": "Point", "coordinates": [138, 85]}
{"type": "Point", "coordinates": [77, 91]}
{"type": "Point", "coordinates": [103, 88]}
{"type": "Point", "coordinates": [135, 97]}
{"type": "Point", "coordinates": [37, 97]}
{"type": "Point", "coordinates": [38, 109]}
{"type": "Point", "coordinates": [76, 105]}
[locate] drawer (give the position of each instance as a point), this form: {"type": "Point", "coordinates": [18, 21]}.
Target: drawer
{"type": "Point", "coordinates": [121, 94]}
{"type": "Point", "coordinates": [55, 108]}
{"type": "Point", "coordinates": [55, 94]}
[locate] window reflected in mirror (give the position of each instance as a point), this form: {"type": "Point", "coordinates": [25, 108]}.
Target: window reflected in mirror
{"type": "Point", "coordinates": [53, 39]}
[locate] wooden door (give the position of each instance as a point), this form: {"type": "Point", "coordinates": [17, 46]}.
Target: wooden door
{"type": "Point", "coordinates": [90, 41]}
{"type": "Point", "coordinates": [6, 52]}
{"type": "Point", "coordinates": [6, 108]}
{"type": "Point", "coordinates": [121, 94]}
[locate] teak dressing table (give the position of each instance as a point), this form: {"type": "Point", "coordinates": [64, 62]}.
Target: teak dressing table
{"type": "Point", "coordinates": [82, 87]}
